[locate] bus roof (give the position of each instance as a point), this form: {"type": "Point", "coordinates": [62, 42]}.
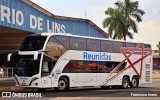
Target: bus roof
{"type": "Point", "coordinates": [88, 37]}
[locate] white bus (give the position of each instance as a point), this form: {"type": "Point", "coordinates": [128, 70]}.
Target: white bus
{"type": "Point", "coordinates": [63, 61]}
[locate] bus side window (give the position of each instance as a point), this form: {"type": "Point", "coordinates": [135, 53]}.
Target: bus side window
{"type": "Point", "coordinates": [93, 45]}
{"type": "Point", "coordinates": [106, 46]}
{"type": "Point", "coordinates": [117, 46]}
{"type": "Point", "coordinates": [131, 44]}
{"type": "Point", "coordinates": [63, 40]}
{"type": "Point", "coordinates": [77, 44]}
{"type": "Point", "coordinates": [147, 46]}
{"type": "Point", "coordinates": [102, 68]}
{"type": "Point", "coordinates": [122, 67]}
{"type": "Point", "coordinates": [111, 65]}
{"type": "Point", "coordinates": [71, 67]}
{"type": "Point", "coordinates": [45, 67]}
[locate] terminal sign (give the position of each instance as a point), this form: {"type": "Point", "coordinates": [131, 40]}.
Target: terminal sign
{"type": "Point", "coordinates": [17, 17]}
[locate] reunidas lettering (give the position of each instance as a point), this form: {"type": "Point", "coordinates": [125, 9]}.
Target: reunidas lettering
{"type": "Point", "coordinates": [100, 56]}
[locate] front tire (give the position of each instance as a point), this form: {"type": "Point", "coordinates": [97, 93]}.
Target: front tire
{"type": "Point", "coordinates": [125, 82]}
{"type": "Point", "coordinates": [63, 85]}
{"type": "Point", "coordinates": [134, 83]}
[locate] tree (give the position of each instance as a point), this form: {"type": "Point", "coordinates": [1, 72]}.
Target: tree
{"type": "Point", "coordinates": [114, 22]}
{"type": "Point", "coordinates": [158, 49]}
{"type": "Point", "coordinates": [123, 18]}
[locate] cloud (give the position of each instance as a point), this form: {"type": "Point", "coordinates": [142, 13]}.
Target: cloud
{"type": "Point", "coordinates": [96, 13]}
{"type": "Point", "coordinates": [148, 33]}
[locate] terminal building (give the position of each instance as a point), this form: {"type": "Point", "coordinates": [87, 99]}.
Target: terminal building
{"type": "Point", "coordinates": [20, 18]}
{"type": "Point", "coordinates": [156, 60]}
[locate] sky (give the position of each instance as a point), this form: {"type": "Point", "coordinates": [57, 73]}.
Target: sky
{"type": "Point", "coordinates": [148, 29]}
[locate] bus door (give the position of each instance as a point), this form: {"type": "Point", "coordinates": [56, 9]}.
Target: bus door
{"type": "Point", "coordinates": [86, 74]}
{"type": "Point", "coordinates": [47, 66]}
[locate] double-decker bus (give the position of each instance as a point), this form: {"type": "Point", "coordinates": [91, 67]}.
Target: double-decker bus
{"type": "Point", "coordinates": [63, 61]}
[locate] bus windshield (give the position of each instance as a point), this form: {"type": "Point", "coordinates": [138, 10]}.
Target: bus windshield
{"type": "Point", "coordinates": [33, 43]}
{"type": "Point", "coordinates": [26, 66]}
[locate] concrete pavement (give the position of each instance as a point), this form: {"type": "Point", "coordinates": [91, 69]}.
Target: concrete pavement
{"type": "Point", "coordinates": [7, 84]}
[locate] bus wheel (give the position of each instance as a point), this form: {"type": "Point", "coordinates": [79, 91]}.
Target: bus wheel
{"type": "Point", "coordinates": [134, 83]}
{"type": "Point", "coordinates": [125, 82]}
{"type": "Point", "coordinates": [62, 85]}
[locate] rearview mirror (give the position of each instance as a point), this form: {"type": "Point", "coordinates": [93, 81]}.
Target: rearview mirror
{"type": "Point", "coordinates": [35, 56]}
{"type": "Point", "coordinates": [9, 57]}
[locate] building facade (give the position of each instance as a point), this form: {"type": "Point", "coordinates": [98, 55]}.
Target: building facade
{"type": "Point", "coordinates": [156, 60]}
{"type": "Point", "coordinates": [27, 16]}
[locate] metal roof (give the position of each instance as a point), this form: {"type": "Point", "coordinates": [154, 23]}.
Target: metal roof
{"type": "Point", "coordinates": [32, 4]}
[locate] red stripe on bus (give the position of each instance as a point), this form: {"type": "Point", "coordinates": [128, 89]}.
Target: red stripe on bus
{"type": "Point", "coordinates": [138, 48]}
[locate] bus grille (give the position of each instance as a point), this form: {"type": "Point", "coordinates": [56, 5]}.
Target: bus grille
{"type": "Point", "coordinates": [147, 79]}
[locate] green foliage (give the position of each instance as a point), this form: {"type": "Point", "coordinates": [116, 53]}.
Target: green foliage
{"type": "Point", "coordinates": [122, 18]}
{"type": "Point", "coordinates": [158, 49]}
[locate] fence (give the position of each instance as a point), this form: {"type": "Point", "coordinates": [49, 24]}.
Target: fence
{"type": "Point", "coordinates": [6, 72]}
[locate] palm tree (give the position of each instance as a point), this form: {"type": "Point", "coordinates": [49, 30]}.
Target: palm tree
{"type": "Point", "coordinates": [122, 18]}
{"type": "Point", "coordinates": [158, 51]}
{"type": "Point", "coordinates": [114, 22]}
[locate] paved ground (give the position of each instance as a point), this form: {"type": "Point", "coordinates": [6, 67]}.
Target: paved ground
{"type": "Point", "coordinates": [7, 82]}
{"type": "Point", "coordinates": [95, 93]}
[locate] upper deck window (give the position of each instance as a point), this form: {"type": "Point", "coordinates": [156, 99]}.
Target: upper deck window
{"type": "Point", "coordinates": [55, 48]}
{"type": "Point", "coordinates": [117, 46]}
{"type": "Point", "coordinates": [63, 40]}
{"type": "Point", "coordinates": [77, 44]}
{"type": "Point", "coordinates": [93, 45]}
{"type": "Point", "coordinates": [33, 43]}
{"type": "Point", "coordinates": [106, 46]}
